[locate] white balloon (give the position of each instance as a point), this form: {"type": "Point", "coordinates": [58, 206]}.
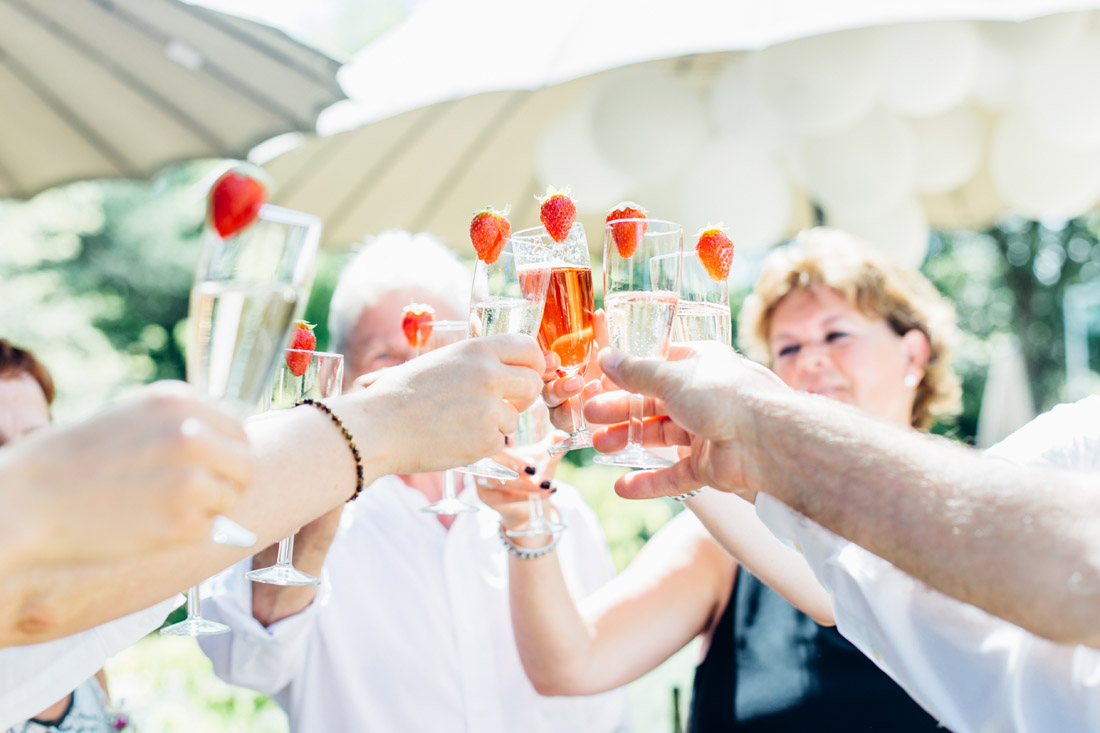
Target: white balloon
{"type": "Point", "coordinates": [744, 189]}
{"type": "Point", "coordinates": [901, 233]}
{"type": "Point", "coordinates": [1058, 93]}
{"type": "Point", "coordinates": [741, 114]}
{"type": "Point", "coordinates": [1041, 178]}
{"type": "Point", "coordinates": [1030, 39]}
{"type": "Point", "coordinates": [566, 155]}
{"type": "Point", "coordinates": [929, 67]}
{"type": "Point", "coordinates": [949, 149]}
{"type": "Point", "coordinates": [647, 122]}
{"type": "Point", "coordinates": [974, 205]}
{"type": "Point", "coordinates": [870, 166]}
{"type": "Point", "coordinates": [821, 84]}
{"type": "Point", "coordinates": [997, 81]}
{"type": "Point", "coordinates": [661, 200]}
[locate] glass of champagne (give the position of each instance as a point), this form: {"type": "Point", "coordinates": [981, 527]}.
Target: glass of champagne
{"type": "Point", "coordinates": [322, 378]}
{"type": "Point", "coordinates": [531, 443]}
{"type": "Point", "coordinates": [566, 327]}
{"type": "Point", "coordinates": [703, 313]}
{"type": "Point", "coordinates": [508, 296]}
{"type": "Point", "coordinates": [434, 335]}
{"type": "Point", "coordinates": [249, 288]}
{"type": "Point", "coordinates": [641, 290]}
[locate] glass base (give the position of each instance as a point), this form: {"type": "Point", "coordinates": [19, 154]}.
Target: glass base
{"type": "Point", "coordinates": [449, 506]}
{"type": "Point", "coordinates": [582, 439]}
{"type": "Point", "coordinates": [537, 529]}
{"type": "Point", "coordinates": [194, 627]}
{"type": "Point", "coordinates": [227, 532]}
{"type": "Point", "coordinates": [489, 468]}
{"type": "Point", "coordinates": [632, 456]}
{"type": "Point", "coordinates": [282, 575]}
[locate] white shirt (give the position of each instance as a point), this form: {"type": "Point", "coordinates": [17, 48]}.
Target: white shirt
{"type": "Point", "coordinates": [411, 629]}
{"type": "Point", "coordinates": [36, 676]}
{"type": "Point", "coordinates": [969, 669]}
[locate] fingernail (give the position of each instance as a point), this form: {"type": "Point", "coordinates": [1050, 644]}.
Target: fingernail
{"type": "Point", "coordinates": [544, 485]}
{"type": "Point", "coordinates": [506, 441]}
{"type": "Point", "coordinates": [573, 383]}
{"type": "Point", "coordinates": [554, 490]}
{"type": "Point", "coordinates": [529, 470]}
{"type": "Point", "coordinates": [592, 388]}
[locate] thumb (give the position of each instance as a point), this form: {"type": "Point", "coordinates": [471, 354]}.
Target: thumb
{"type": "Point", "coordinates": [641, 376]}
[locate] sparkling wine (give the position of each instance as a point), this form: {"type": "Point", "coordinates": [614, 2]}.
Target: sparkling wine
{"type": "Point", "coordinates": [238, 333]}
{"type": "Point", "coordinates": [567, 320]}
{"type": "Point", "coordinates": [639, 323]}
{"type": "Point", "coordinates": [702, 322]}
{"type": "Point", "coordinates": [506, 316]}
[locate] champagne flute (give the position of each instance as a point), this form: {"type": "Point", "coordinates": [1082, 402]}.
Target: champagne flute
{"type": "Point", "coordinates": [322, 378]}
{"type": "Point", "coordinates": [703, 313]}
{"type": "Point", "coordinates": [566, 327]}
{"type": "Point", "coordinates": [531, 443]}
{"type": "Point", "coordinates": [508, 297]}
{"type": "Point", "coordinates": [248, 291]}
{"type": "Point", "coordinates": [640, 296]}
{"type": "Point", "coordinates": [433, 335]}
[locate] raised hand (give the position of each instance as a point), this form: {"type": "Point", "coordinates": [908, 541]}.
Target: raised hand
{"type": "Point", "coordinates": [693, 401]}
{"type": "Point", "coordinates": [150, 472]}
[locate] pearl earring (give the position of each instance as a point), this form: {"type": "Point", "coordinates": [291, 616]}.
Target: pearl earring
{"type": "Point", "coordinates": [910, 380]}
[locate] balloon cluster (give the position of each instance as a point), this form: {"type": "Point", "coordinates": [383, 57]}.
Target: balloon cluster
{"type": "Point", "coordinates": [889, 130]}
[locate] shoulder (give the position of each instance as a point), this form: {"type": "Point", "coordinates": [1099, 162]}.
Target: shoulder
{"type": "Point", "coordinates": [1068, 436]}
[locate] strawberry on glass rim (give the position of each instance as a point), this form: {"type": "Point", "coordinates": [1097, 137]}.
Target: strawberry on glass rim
{"type": "Point", "coordinates": [416, 322]}
{"type": "Point", "coordinates": [626, 234]}
{"type": "Point", "coordinates": [234, 201]}
{"type": "Point", "coordinates": [557, 212]}
{"type": "Point", "coordinates": [489, 230]}
{"type": "Point", "coordinates": [303, 344]}
{"type": "Point", "coordinates": [715, 251]}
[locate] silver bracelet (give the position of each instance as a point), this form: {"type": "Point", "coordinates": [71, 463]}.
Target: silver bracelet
{"type": "Point", "coordinates": [522, 552]}
{"type": "Point", "coordinates": [688, 495]}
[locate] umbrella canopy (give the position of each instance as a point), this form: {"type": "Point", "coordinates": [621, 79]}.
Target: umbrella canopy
{"type": "Point", "coordinates": [109, 88]}
{"type": "Point", "coordinates": [741, 111]}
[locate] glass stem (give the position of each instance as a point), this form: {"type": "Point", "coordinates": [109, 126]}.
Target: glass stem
{"type": "Point", "coordinates": [634, 427]}
{"type": "Point", "coordinates": [449, 485]}
{"type": "Point", "coordinates": [577, 410]}
{"type": "Point", "coordinates": [286, 551]}
{"type": "Point", "coordinates": [535, 518]}
{"type": "Point", "coordinates": [193, 602]}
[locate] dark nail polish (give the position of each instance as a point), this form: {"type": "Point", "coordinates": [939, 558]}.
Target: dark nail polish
{"type": "Point", "coordinates": [544, 485]}
{"type": "Point", "coordinates": [554, 490]}
{"type": "Point", "coordinates": [529, 470]}
{"type": "Point", "coordinates": [506, 441]}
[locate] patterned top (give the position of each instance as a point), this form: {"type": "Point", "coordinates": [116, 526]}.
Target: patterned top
{"type": "Point", "coordinates": [87, 713]}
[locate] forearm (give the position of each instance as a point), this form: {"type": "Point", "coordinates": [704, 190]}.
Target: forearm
{"type": "Point", "coordinates": [1018, 542]}
{"type": "Point", "coordinates": [553, 640]}
{"type": "Point", "coordinates": [293, 485]}
{"type": "Point", "coordinates": [732, 521]}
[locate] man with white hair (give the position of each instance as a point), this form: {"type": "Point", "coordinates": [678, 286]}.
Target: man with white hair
{"type": "Point", "coordinates": [410, 629]}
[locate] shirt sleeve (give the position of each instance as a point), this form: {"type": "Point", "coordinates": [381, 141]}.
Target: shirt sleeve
{"type": "Point", "coordinates": [1066, 437]}
{"type": "Point", "coordinates": [262, 658]}
{"type": "Point", "coordinates": [972, 671]}
{"type": "Point", "coordinates": [35, 676]}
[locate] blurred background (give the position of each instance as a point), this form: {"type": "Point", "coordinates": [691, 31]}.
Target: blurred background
{"type": "Point", "coordinates": [950, 135]}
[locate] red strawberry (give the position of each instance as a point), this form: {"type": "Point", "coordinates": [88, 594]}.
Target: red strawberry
{"type": "Point", "coordinates": [557, 213]}
{"type": "Point", "coordinates": [235, 201]}
{"type": "Point", "coordinates": [489, 230]}
{"type": "Point", "coordinates": [305, 340]}
{"type": "Point", "coordinates": [626, 235]}
{"type": "Point", "coordinates": [416, 322]}
{"type": "Point", "coordinates": [715, 252]}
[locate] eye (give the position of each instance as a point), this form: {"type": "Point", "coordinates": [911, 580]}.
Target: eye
{"type": "Point", "coordinates": [787, 351]}
{"type": "Point", "coordinates": [834, 336]}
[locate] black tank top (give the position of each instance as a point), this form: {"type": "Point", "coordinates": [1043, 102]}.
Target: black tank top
{"type": "Point", "coordinates": [770, 667]}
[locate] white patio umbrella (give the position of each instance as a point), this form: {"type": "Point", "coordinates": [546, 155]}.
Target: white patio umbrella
{"type": "Point", "coordinates": [109, 88]}
{"type": "Point", "coordinates": [889, 116]}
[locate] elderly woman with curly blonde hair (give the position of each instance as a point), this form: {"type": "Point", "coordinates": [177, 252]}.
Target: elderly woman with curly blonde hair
{"type": "Point", "coordinates": [832, 317]}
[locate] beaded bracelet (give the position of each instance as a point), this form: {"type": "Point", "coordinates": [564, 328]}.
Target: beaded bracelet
{"type": "Point", "coordinates": [347, 436]}
{"type": "Point", "coordinates": [688, 495]}
{"type": "Point", "coordinates": [522, 552]}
